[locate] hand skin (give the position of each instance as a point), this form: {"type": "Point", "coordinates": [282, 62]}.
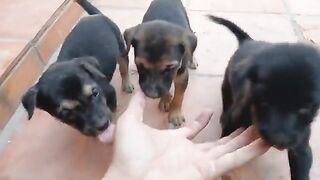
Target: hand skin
{"type": "Point", "coordinates": [142, 152]}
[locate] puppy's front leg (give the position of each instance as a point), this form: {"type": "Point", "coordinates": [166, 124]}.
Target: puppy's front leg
{"type": "Point", "coordinates": [123, 67]}
{"type": "Point", "coordinates": [180, 84]}
{"type": "Point", "coordinates": [193, 63]}
{"type": "Point", "coordinates": [300, 161]}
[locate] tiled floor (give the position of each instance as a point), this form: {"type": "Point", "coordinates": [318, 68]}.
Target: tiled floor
{"type": "Point", "coordinates": [18, 28]}
{"type": "Point", "coordinates": [46, 149]}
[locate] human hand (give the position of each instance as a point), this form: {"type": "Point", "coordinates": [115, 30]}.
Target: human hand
{"type": "Point", "coordinates": [141, 152]}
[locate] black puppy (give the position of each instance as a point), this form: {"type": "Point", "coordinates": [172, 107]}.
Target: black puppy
{"type": "Point", "coordinates": [76, 89]}
{"type": "Point", "coordinates": [277, 88]}
{"type": "Point", "coordinates": [163, 47]}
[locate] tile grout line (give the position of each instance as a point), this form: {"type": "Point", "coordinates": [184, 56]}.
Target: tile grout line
{"type": "Point", "coordinates": [34, 40]}
{"type": "Point", "coordinates": [294, 24]}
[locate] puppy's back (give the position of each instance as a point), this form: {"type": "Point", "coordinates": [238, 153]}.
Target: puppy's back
{"type": "Point", "coordinates": [97, 36]}
{"type": "Point", "coordinates": [171, 11]}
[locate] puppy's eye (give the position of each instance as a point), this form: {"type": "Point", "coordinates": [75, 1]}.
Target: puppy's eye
{"type": "Point", "coordinates": [65, 113]}
{"type": "Point", "coordinates": [171, 66]}
{"type": "Point", "coordinates": [95, 92]}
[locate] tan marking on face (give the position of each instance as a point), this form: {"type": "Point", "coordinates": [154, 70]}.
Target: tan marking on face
{"type": "Point", "coordinates": [87, 89]}
{"type": "Point", "coordinates": [69, 104]}
{"type": "Point", "coordinates": [160, 65]}
{"type": "Point", "coordinates": [171, 39]}
{"type": "Point", "coordinates": [165, 63]}
{"type": "Point", "coordinates": [144, 62]}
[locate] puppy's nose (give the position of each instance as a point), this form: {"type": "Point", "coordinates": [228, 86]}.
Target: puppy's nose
{"type": "Point", "coordinates": [277, 139]}
{"type": "Point", "coordinates": [104, 126]}
{"type": "Point", "coordinates": [152, 93]}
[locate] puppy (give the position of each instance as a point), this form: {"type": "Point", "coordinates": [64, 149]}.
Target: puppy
{"type": "Point", "coordinates": [163, 46]}
{"type": "Point", "coordinates": [76, 89]}
{"type": "Point", "coordinates": [277, 88]}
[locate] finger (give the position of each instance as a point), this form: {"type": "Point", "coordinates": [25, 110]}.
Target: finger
{"type": "Point", "coordinates": [239, 141]}
{"type": "Point", "coordinates": [238, 158]}
{"type": "Point", "coordinates": [196, 126]}
{"type": "Point", "coordinates": [224, 140]}
{"type": "Point", "coordinates": [135, 108]}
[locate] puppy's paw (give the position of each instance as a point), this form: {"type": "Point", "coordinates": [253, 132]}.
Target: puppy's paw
{"type": "Point", "coordinates": [127, 86]}
{"type": "Point", "coordinates": [193, 64]}
{"type": "Point", "coordinates": [176, 119]}
{"type": "Point", "coordinates": [164, 104]}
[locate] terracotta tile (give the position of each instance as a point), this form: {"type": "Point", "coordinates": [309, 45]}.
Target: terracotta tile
{"type": "Point", "coordinates": [265, 6]}
{"type": "Point", "coordinates": [216, 44]}
{"type": "Point", "coordinates": [123, 3]}
{"type": "Point", "coordinates": [310, 27]}
{"type": "Point", "coordinates": [68, 19]}
{"type": "Point", "coordinates": [22, 77]}
{"type": "Point", "coordinates": [58, 31]}
{"type": "Point", "coordinates": [9, 50]}
{"type": "Point", "coordinates": [23, 19]}
{"type": "Point", "coordinates": [68, 151]}
{"type": "Point", "coordinates": [5, 110]}
{"type": "Point", "coordinates": [307, 7]}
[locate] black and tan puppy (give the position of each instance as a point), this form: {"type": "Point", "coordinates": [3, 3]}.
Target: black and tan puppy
{"type": "Point", "coordinates": [76, 89]}
{"type": "Point", "coordinates": [276, 87]}
{"type": "Point", "coordinates": [163, 47]}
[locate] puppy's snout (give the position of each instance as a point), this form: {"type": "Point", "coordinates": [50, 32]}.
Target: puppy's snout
{"type": "Point", "coordinates": [153, 91]}
{"type": "Point", "coordinates": [278, 139]}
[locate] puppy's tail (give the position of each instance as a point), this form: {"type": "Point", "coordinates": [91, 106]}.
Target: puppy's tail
{"type": "Point", "coordinates": [88, 7]}
{"type": "Point", "coordinates": [237, 31]}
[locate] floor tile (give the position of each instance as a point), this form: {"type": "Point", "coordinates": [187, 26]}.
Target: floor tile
{"type": "Point", "coordinates": [22, 77]}
{"type": "Point", "coordinates": [310, 27]}
{"type": "Point", "coordinates": [26, 17]}
{"type": "Point", "coordinates": [5, 111]}
{"type": "Point", "coordinates": [262, 6]}
{"type": "Point", "coordinates": [54, 36]}
{"type": "Point", "coordinates": [216, 44]}
{"type": "Point", "coordinates": [306, 7]}
{"type": "Point", "coordinates": [9, 49]}
{"type": "Point", "coordinates": [123, 4]}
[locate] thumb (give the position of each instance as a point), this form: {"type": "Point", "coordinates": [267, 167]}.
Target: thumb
{"type": "Point", "coordinates": [135, 108]}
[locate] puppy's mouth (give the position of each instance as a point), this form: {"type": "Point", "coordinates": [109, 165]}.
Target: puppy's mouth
{"type": "Point", "coordinates": [280, 148]}
{"type": "Point", "coordinates": [107, 134]}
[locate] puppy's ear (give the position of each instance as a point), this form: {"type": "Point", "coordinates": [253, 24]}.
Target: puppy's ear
{"type": "Point", "coordinates": [129, 37]}
{"type": "Point", "coordinates": [189, 44]}
{"type": "Point", "coordinates": [110, 93]}
{"type": "Point", "coordinates": [242, 101]}
{"type": "Point", "coordinates": [29, 100]}
{"type": "Point", "coordinates": [91, 66]}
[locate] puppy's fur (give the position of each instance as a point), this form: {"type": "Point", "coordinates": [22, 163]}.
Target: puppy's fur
{"type": "Point", "coordinates": [163, 46]}
{"type": "Point", "coordinates": [277, 88]}
{"type": "Point", "coordinates": [76, 89]}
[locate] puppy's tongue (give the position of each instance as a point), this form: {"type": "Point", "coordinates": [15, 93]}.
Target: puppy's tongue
{"type": "Point", "coordinates": [107, 135]}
